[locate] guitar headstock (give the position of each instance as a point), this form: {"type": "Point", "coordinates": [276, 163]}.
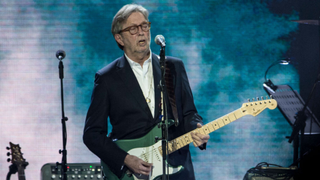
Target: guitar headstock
{"type": "Point", "coordinates": [16, 156]}
{"type": "Point", "coordinates": [256, 107]}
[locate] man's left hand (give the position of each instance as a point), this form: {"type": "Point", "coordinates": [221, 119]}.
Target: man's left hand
{"type": "Point", "coordinates": [198, 138]}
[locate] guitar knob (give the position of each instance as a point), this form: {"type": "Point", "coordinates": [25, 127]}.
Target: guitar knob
{"type": "Point", "coordinates": [156, 139]}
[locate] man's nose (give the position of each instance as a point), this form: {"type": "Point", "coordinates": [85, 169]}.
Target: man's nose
{"type": "Point", "coordinates": [140, 31]}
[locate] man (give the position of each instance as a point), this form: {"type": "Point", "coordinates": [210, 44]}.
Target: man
{"type": "Point", "coordinates": [126, 92]}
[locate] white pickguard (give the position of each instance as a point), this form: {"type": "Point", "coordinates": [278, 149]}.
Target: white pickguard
{"type": "Point", "coordinates": [152, 155]}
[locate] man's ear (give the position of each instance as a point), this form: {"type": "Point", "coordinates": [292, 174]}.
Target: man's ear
{"type": "Point", "coordinates": [119, 40]}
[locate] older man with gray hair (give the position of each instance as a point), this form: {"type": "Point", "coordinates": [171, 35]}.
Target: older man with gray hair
{"type": "Point", "coordinates": [125, 91]}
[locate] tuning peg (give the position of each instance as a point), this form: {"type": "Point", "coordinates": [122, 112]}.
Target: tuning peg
{"type": "Point", "coordinates": [252, 99]}
{"type": "Point", "coordinates": [257, 98]}
{"type": "Point", "coordinates": [8, 160]}
{"type": "Point", "coordinates": [261, 97]}
{"type": "Point", "coordinates": [271, 97]}
{"type": "Point", "coordinates": [7, 148]}
{"type": "Point", "coordinates": [248, 100]}
{"type": "Point", "coordinates": [8, 153]}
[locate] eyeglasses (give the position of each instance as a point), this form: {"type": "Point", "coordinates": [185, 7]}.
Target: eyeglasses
{"type": "Point", "coordinates": [134, 29]}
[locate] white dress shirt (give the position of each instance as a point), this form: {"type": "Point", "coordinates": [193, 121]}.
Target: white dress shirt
{"type": "Point", "coordinates": [144, 76]}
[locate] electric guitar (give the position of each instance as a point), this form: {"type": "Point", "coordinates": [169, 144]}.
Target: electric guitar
{"type": "Point", "coordinates": [151, 152]}
{"type": "Point", "coordinates": [18, 162]}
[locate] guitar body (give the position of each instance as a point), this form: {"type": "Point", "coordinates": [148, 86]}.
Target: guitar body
{"type": "Point", "coordinates": [146, 149]}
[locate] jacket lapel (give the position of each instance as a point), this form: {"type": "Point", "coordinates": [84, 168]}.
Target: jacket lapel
{"type": "Point", "coordinates": [131, 82]}
{"type": "Point", "coordinates": [157, 92]}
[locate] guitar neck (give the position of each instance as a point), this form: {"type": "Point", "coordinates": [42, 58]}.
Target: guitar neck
{"type": "Point", "coordinates": [186, 139]}
{"type": "Point", "coordinates": [250, 108]}
{"type": "Point", "coordinates": [18, 161]}
{"type": "Point", "coordinates": [21, 175]}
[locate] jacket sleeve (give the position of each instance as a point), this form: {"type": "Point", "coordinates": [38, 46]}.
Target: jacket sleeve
{"type": "Point", "coordinates": [96, 129]}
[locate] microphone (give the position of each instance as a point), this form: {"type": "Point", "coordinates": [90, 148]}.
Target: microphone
{"type": "Point", "coordinates": [60, 54]}
{"type": "Point", "coordinates": [160, 40]}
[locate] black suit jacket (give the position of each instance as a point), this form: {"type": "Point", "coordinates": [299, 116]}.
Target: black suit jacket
{"type": "Point", "coordinates": [118, 96]}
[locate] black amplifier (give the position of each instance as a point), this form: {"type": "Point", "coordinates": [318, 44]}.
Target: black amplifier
{"type": "Point", "coordinates": [78, 171]}
{"type": "Point", "coordinates": [266, 171]}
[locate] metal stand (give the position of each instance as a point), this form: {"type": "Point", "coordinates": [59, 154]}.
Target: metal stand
{"type": "Point", "coordinates": [60, 55]}
{"type": "Point", "coordinates": [164, 120]}
{"type": "Point", "coordinates": [12, 170]}
{"type": "Point", "coordinates": [299, 116]}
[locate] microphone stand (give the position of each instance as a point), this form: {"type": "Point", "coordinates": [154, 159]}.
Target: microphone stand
{"type": "Point", "coordinates": [164, 126]}
{"type": "Point", "coordinates": [300, 122]}
{"type": "Point", "coordinates": [12, 170]}
{"type": "Point", "coordinates": [64, 131]}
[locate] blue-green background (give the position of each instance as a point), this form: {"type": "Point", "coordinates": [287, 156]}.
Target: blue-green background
{"type": "Point", "coordinates": [226, 46]}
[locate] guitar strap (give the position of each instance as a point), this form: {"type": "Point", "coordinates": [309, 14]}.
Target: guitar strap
{"type": "Point", "coordinates": [169, 79]}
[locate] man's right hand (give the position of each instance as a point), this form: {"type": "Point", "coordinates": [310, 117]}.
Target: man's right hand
{"type": "Point", "coordinates": [137, 165]}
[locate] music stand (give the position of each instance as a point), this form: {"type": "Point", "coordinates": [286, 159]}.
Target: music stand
{"type": "Point", "coordinates": [289, 103]}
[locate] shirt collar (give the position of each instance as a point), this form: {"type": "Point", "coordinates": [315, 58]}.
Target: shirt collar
{"type": "Point", "coordinates": [132, 63]}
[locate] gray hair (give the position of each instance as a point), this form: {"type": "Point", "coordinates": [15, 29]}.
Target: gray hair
{"type": "Point", "coordinates": [122, 15]}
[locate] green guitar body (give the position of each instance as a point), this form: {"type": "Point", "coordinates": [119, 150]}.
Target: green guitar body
{"type": "Point", "coordinates": [145, 148]}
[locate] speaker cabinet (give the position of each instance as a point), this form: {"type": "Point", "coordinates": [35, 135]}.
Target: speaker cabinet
{"type": "Point", "coordinates": [78, 171]}
{"type": "Point", "coordinates": [270, 173]}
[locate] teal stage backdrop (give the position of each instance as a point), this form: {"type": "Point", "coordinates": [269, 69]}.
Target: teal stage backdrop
{"type": "Point", "coordinates": [226, 46]}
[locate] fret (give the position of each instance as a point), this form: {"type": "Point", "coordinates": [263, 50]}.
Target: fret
{"type": "Point", "coordinates": [206, 129]}
{"type": "Point", "coordinates": [226, 120]}
{"type": "Point", "coordinates": [177, 143]}
{"type": "Point", "coordinates": [169, 146]}
{"type": "Point", "coordinates": [183, 143]}
{"type": "Point", "coordinates": [201, 130]}
{"type": "Point", "coordinates": [21, 175]}
{"type": "Point", "coordinates": [216, 125]}
{"type": "Point", "coordinates": [188, 138]}
{"type": "Point", "coordinates": [238, 114]}
{"type": "Point", "coordinates": [210, 127]}
{"type": "Point", "coordinates": [221, 123]}
{"type": "Point", "coordinates": [195, 131]}
{"type": "Point", "coordinates": [232, 117]}
{"type": "Point", "coordinates": [176, 146]}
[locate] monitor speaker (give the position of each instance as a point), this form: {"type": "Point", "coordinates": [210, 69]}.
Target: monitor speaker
{"type": "Point", "coordinates": [78, 171]}
{"type": "Point", "coordinates": [270, 173]}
